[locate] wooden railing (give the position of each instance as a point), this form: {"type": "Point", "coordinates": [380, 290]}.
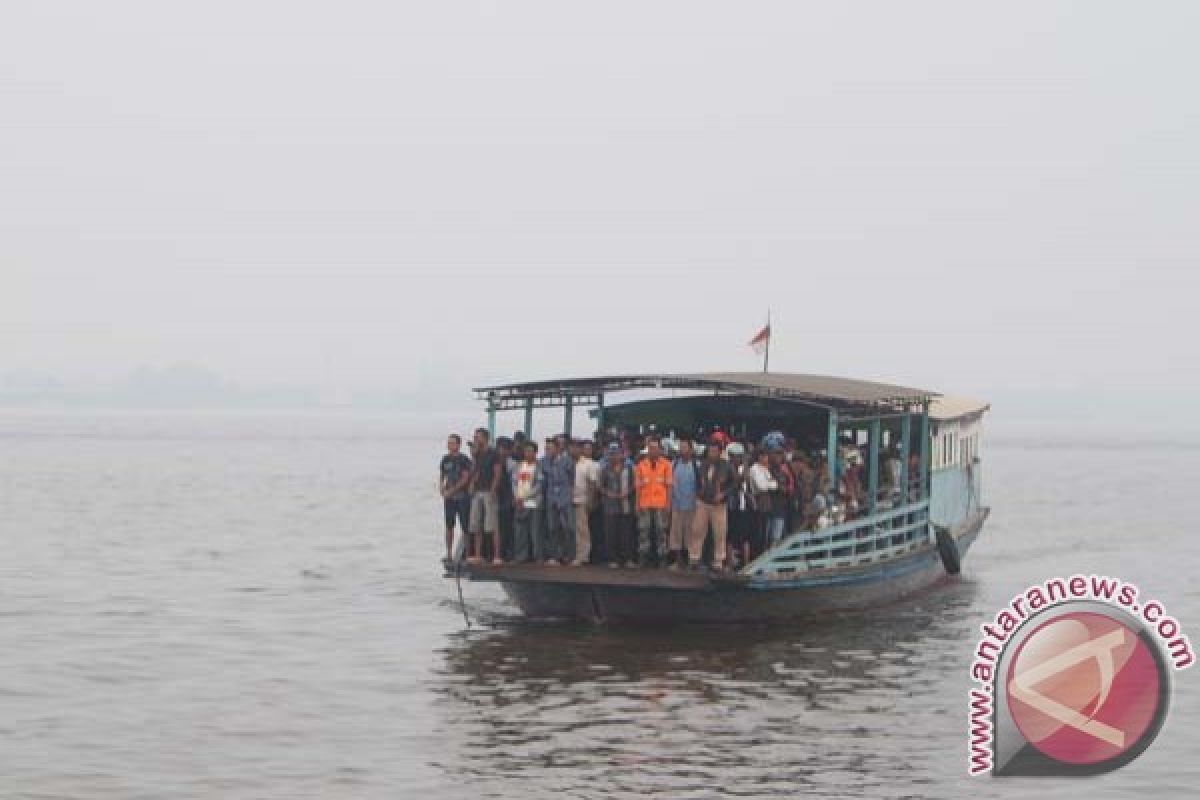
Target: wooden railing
{"type": "Point", "coordinates": [886, 534]}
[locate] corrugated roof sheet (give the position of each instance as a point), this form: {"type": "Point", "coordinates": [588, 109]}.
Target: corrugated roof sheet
{"type": "Point", "coordinates": [817, 388]}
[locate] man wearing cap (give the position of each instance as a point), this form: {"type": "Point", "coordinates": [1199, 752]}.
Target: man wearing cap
{"type": "Point", "coordinates": [616, 494]}
{"type": "Point", "coordinates": [741, 514]}
{"type": "Point", "coordinates": [653, 480]}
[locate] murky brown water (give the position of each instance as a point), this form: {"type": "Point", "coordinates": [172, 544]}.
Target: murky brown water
{"type": "Point", "coordinates": [213, 606]}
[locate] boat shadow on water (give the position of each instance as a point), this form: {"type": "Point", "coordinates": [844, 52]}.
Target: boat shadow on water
{"type": "Point", "coordinates": [507, 646]}
{"type": "Point", "coordinates": [517, 695]}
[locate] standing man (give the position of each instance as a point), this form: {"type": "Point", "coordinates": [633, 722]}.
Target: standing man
{"type": "Point", "coordinates": [712, 490]}
{"type": "Point", "coordinates": [803, 480]}
{"type": "Point", "coordinates": [763, 487]}
{"type": "Point", "coordinates": [560, 516]}
{"type": "Point", "coordinates": [652, 480]}
{"type": "Point", "coordinates": [914, 487]}
{"type": "Point", "coordinates": [454, 475]}
{"type": "Point", "coordinates": [781, 497]}
{"type": "Point", "coordinates": [741, 505]}
{"type": "Point", "coordinates": [581, 498]}
{"type": "Point", "coordinates": [485, 485]}
{"type": "Point", "coordinates": [616, 492]}
{"type": "Point", "coordinates": [528, 484]}
{"type": "Point", "coordinates": [890, 474]}
{"type": "Point", "coordinates": [683, 500]}
{"type": "Point", "coordinates": [851, 488]}
{"type": "Point", "coordinates": [504, 497]}
{"type": "Point", "coordinates": [594, 453]}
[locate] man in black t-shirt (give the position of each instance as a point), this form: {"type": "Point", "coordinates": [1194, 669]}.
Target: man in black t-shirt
{"type": "Point", "coordinates": [454, 475]}
{"type": "Point", "coordinates": [504, 497]}
{"type": "Point", "coordinates": [484, 509]}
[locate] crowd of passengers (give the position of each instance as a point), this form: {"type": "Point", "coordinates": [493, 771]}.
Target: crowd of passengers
{"type": "Point", "coordinates": [632, 500]}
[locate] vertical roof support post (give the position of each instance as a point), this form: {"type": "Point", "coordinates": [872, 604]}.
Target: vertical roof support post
{"type": "Point", "coordinates": [831, 450]}
{"type": "Point", "coordinates": [491, 412]}
{"type": "Point", "coordinates": [925, 446]}
{"type": "Point", "coordinates": [906, 451]}
{"type": "Point", "coordinates": [529, 418]}
{"type": "Point", "coordinates": [873, 467]}
{"type": "Point", "coordinates": [568, 413]}
{"type": "Point", "coordinates": [600, 413]}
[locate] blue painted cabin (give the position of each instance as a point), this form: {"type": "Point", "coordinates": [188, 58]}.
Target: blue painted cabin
{"type": "Point", "coordinates": [956, 461]}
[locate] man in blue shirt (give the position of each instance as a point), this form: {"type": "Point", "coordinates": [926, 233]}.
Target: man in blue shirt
{"type": "Point", "coordinates": [560, 511]}
{"type": "Point", "coordinates": [683, 500]}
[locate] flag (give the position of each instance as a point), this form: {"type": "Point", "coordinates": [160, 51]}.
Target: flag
{"type": "Point", "coordinates": [759, 342]}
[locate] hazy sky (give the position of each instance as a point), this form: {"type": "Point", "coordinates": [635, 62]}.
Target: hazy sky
{"type": "Point", "coordinates": [993, 199]}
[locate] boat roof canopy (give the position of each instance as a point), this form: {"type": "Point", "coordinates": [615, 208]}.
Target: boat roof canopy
{"type": "Point", "coordinates": [950, 408]}
{"type": "Point", "coordinates": [820, 390]}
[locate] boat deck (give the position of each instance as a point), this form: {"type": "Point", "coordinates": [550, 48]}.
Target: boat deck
{"type": "Point", "coordinates": [647, 578]}
{"type": "Point", "coordinates": [798, 570]}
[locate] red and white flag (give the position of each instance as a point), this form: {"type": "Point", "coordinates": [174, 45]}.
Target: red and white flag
{"type": "Point", "coordinates": [759, 342]}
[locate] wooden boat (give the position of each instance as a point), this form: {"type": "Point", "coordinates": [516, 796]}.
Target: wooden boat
{"type": "Point", "coordinates": [916, 530]}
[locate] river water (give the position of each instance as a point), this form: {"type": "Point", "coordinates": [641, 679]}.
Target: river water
{"type": "Point", "coordinates": [251, 605]}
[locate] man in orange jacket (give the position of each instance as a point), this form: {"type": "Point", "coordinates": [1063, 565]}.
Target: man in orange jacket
{"type": "Point", "coordinates": [653, 480]}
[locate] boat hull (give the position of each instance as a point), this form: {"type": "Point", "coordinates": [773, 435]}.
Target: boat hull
{"type": "Point", "coordinates": [687, 599]}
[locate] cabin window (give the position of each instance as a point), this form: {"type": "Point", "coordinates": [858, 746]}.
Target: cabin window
{"type": "Point", "coordinates": [950, 448]}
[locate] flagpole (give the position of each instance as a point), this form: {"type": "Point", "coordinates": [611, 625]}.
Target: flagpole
{"type": "Point", "coordinates": [767, 349]}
